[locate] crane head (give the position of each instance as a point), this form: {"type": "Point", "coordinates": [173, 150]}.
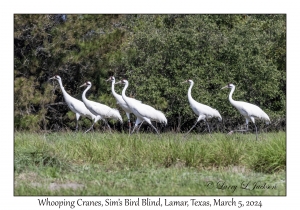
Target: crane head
{"type": "Point", "coordinates": [189, 81]}
{"type": "Point", "coordinates": [112, 78]}
{"type": "Point", "coordinates": [56, 77]}
{"type": "Point", "coordinates": [88, 83]}
{"type": "Point", "coordinates": [230, 85]}
{"type": "Point", "coordinates": [122, 81]}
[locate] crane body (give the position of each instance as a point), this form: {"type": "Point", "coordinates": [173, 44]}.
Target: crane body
{"type": "Point", "coordinates": [249, 111]}
{"type": "Point", "coordinates": [96, 108]}
{"type": "Point", "coordinates": [120, 100]}
{"type": "Point", "coordinates": [203, 112]}
{"type": "Point", "coordinates": [143, 112]}
{"type": "Point", "coordinates": [76, 105]}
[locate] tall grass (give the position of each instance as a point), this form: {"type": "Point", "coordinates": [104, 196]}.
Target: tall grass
{"type": "Point", "coordinates": [64, 153]}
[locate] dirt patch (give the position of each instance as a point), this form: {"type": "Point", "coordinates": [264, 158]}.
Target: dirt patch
{"type": "Point", "coordinates": [30, 176]}
{"type": "Point", "coordinates": [231, 169]}
{"type": "Point", "coordinates": [238, 169]}
{"type": "Point", "coordinates": [25, 177]}
{"type": "Point", "coordinates": [58, 186]}
{"type": "Point", "coordinates": [33, 179]}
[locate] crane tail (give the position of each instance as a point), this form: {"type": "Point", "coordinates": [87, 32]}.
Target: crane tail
{"type": "Point", "coordinates": [116, 115]}
{"type": "Point", "coordinates": [160, 117]}
{"type": "Point", "coordinates": [217, 114]}
{"type": "Point", "coordinates": [268, 121]}
{"type": "Point", "coordinates": [266, 118]}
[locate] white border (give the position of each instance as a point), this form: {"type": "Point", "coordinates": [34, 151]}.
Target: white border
{"type": "Point", "coordinates": [154, 6]}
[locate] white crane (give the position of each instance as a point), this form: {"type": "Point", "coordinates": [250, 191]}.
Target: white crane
{"type": "Point", "coordinates": [121, 101]}
{"type": "Point", "coordinates": [249, 111]}
{"type": "Point", "coordinates": [76, 105]}
{"type": "Point", "coordinates": [100, 109]}
{"type": "Point", "coordinates": [203, 111]}
{"type": "Point", "coordinates": [143, 112]}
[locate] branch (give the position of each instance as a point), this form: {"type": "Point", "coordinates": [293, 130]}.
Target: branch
{"type": "Point", "coordinates": [58, 103]}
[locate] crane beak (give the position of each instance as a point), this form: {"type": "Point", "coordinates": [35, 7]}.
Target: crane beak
{"type": "Point", "coordinates": [118, 82]}
{"type": "Point", "coordinates": [184, 81]}
{"type": "Point", "coordinates": [51, 78]}
{"type": "Point", "coordinates": [224, 87]}
{"type": "Point", "coordinates": [83, 85]}
{"type": "Point", "coordinates": [108, 80]}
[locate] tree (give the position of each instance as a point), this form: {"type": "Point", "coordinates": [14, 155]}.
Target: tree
{"type": "Point", "coordinates": [155, 53]}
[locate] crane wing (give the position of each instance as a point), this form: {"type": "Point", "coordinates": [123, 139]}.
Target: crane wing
{"type": "Point", "coordinates": [99, 109]}
{"type": "Point", "coordinates": [72, 107]}
{"type": "Point", "coordinates": [243, 112]}
{"type": "Point", "coordinates": [202, 109]}
{"type": "Point", "coordinates": [78, 107]}
{"type": "Point", "coordinates": [150, 113]}
{"type": "Point", "coordinates": [134, 100]}
{"type": "Point", "coordinates": [251, 110]}
{"type": "Point", "coordinates": [143, 110]}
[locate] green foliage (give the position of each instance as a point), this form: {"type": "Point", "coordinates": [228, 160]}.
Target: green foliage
{"type": "Point", "coordinates": [33, 155]}
{"type": "Point", "coordinates": [270, 158]}
{"type": "Point", "coordinates": [155, 53]}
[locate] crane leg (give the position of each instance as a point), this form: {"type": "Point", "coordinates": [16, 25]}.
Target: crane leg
{"type": "Point", "coordinates": [76, 125]}
{"type": "Point", "coordinates": [247, 122]}
{"type": "Point", "coordinates": [207, 125]}
{"type": "Point", "coordinates": [256, 131]}
{"type": "Point", "coordinates": [129, 125]}
{"type": "Point", "coordinates": [253, 121]}
{"type": "Point", "coordinates": [149, 122]}
{"type": "Point", "coordinates": [231, 132]}
{"type": "Point", "coordinates": [92, 127]}
{"type": "Point", "coordinates": [77, 118]}
{"type": "Point", "coordinates": [137, 122]}
{"type": "Point", "coordinates": [191, 128]}
{"type": "Point", "coordinates": [107, 125]}
{"type": "Point", "coordinates": [154, 128]}
{"type": "Point", "coordinates": [133, 129]}
{"type": "Point", "coordinates": [201, 117]}
{"type": "Point", "coordinates": [140, 126]}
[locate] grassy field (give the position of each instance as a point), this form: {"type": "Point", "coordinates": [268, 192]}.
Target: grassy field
{"type": "Point", "coordinates": [147, 164]}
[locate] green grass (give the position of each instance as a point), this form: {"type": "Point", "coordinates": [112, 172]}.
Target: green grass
{"type": "Point", "coordinates": [146, 164]}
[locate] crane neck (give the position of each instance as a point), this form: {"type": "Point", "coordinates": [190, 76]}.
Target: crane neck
{"type": "Point", "coordinates": [84, 99]}
{"type": "Point", "coordinates": [190, 92]}
{"type": "Point", "coordinates": [65, 94]}
{"type": "Point", "coordinates": [123, 92]}
{"type": "Point", "coordinates": [230, 96]}
{"type": "Point", "coordinates": [113, 88]}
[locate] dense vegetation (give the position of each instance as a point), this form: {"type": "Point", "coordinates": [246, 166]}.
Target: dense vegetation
{"type": "Point", "coordinates": [155, 53]}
